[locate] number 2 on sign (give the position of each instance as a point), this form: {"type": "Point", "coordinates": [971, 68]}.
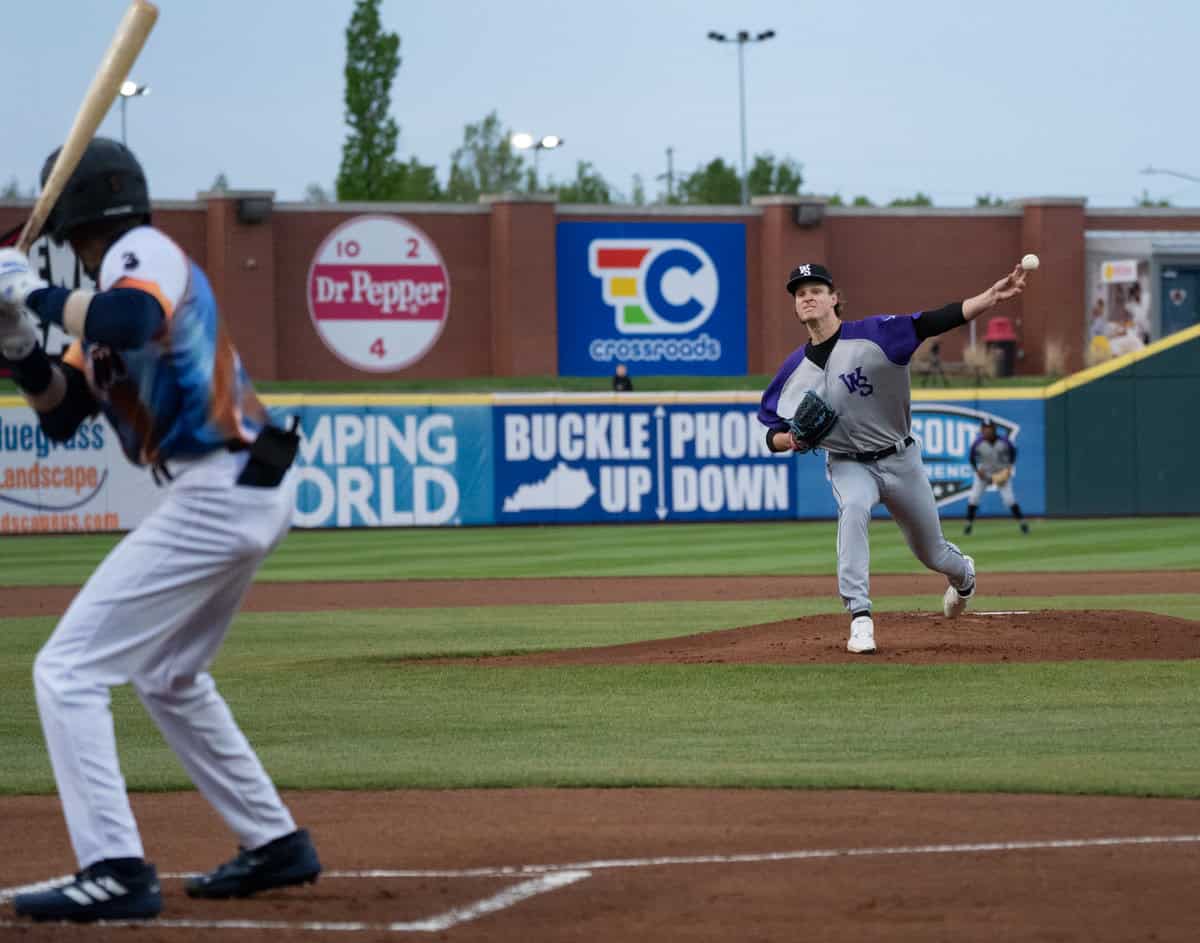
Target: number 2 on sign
{"type": "Point", "coordinates": [378, 349]}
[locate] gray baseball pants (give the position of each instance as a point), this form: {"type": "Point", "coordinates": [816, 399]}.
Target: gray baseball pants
{"type": "Point", "coordinates": [900, 482]}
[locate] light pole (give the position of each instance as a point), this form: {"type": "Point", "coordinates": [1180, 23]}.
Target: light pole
{"type": "Point", "coordinates": [129, 89]}
{"type": "Point", "coordinates": [1171, 173]}
{"type": "Point", "coordinates": [742, 37]}
{"type": "Point", "coordinates": [524, 141]}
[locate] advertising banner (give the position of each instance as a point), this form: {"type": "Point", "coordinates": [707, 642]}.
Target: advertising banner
{"type": "Point", "coordinates": [378, 293]}
{"type": "Point", "coordinates": [652, 462]}
{"type": "Point", "coordinates": [516, 461]}
{"type": "Point", "coordinates": [393, 466]}
{"type": "Point", "coordinates": [660, 298]}
{"type": "Point", "coordinates": [83, 484]}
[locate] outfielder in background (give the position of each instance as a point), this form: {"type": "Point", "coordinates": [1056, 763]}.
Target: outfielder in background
{"type": "Point", "coordinates": [993, 456]}
{"type": "Point", "coordinates": [150, 352]}
{"type": "Point", "coordinates": [848, 390]}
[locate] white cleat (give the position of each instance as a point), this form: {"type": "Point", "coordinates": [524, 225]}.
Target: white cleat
{"type": "Point", "coordinates": [862, 636]}
{"type": "Point", "coordinates": [954, 603]}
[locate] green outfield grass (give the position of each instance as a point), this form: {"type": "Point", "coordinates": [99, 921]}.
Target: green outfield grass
{"type": "Point", "coordinates": [650, 550]}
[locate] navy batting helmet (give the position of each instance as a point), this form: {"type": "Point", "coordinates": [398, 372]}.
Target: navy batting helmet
{"type": "Point", "coordinates": [108, 183]}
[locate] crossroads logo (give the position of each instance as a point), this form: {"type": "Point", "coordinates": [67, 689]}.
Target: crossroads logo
{"type": "Point", "coordinates": [655, 286]}
{"type": "Point", "coordinates": [663, 298]}
{"type": "Point", "coordinates": [946, 434]}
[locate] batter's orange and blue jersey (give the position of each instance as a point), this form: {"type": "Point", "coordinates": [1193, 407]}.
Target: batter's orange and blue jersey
{"type": "Point", "coordinates": [185, 391]}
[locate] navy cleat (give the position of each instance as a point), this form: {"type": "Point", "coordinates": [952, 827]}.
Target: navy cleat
{"type": "Point", "coordinates": [114, 889]}
{"type": "Point", "coordinates": [289, 860]}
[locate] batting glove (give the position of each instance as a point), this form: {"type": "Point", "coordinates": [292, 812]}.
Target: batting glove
{"type": "Point", "coordinates": [17, 280]}
{"type": "Point", "coordinates": [18, 332]}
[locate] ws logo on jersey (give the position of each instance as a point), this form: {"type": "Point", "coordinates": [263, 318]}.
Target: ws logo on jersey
{"type": "Point", "coordinates": [857, 382]}
{"type": "Point", "coordinates": [655, 286]}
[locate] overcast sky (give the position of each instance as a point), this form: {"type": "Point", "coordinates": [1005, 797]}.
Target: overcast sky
{"type": "Point", "coordinates": [951, 97]}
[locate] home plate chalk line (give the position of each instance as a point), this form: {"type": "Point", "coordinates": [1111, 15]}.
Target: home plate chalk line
{"type": "Point", "coordinates": [541, 878]}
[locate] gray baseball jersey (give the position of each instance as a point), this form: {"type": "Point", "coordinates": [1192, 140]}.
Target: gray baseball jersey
{"type": "Point", "coordinates": [990, 457]}
{"type": "Point", "coordinates": [865, 381]}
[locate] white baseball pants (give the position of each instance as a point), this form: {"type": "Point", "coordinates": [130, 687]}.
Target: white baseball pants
{"type": "Point", "coordinates": [900, 482]}
{"type": "Point", "coordinates": [154, 614]}
{"type": "Point", "coordinates": [979, 486]}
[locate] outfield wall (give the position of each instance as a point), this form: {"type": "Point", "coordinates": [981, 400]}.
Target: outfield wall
{"type": "Point", "coordinates": [1115, 439]}
{"type": "Point", "coordinates": [400, 461]}
{"type": "Point", "coordinates": [523, 287]}
{"type": "Point", "coordinates": [1122, 435]}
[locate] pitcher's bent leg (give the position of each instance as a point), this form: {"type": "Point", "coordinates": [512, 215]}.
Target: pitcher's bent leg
{"type": "Point", "coordinates": [908, 495]}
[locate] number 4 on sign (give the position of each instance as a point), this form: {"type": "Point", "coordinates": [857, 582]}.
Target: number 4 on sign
{"type": "Point", "coordinates": [378, 349]}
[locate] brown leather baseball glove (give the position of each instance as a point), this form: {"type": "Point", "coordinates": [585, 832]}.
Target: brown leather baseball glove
{"type": "Point", "coordinates": [1000, 477]}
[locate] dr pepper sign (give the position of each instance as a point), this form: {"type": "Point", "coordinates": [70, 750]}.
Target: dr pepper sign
{"type": "Point", "coordinates": [378, 293]}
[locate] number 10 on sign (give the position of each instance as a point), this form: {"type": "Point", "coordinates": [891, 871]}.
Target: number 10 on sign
{"type": "Point", "coordinates": [378, 293]}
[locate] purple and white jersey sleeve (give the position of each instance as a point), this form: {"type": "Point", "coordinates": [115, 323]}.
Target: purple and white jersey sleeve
{"type": "Point", "coordinates": [894, 334]}
{"type": "Point", "coordinates": [768, 410]}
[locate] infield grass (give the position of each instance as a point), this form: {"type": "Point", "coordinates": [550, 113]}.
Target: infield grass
{"type": "Point", "coordinates": [777, 548]}
{"type": "Point", "coordinates": [329, 703]}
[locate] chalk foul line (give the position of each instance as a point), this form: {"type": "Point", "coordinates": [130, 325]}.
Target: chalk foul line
{"type": "Point", "coordinates": [541, 878]}
{"type": "Point", "coordinates": [435, 924]}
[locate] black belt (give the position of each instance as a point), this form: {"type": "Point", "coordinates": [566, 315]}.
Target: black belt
{"type": "Point", "coordinates": [876, 456]}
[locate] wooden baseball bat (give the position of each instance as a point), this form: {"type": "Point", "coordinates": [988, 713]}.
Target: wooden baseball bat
{"type": "Point", "coordinates": [131, 35]}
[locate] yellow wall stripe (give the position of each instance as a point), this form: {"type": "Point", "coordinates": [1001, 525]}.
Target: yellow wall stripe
{"type": "Point", "coordinates": [1091, 374]}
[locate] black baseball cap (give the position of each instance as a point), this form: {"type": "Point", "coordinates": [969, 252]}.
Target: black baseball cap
{"type": "Point", "coordinates": [808, 272]}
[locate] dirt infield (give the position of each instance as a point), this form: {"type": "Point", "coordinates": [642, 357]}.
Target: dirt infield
{"type": "Point", "coordinates": [693, 864]}
{"type": "Point", "coordinates": [672, 864]}
{"type": "Point", "coordinates": [912, 638]}
{"type": "Point", "coordinates": [407, 594]}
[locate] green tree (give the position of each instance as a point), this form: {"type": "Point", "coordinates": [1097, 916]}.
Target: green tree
{"type": "Point", "coordinates": [715, 182]}
{"type": "Point", "coordinates": [587, 187]}
{"type": "Point", "coordinates": [315, 193]}
{"type": "Point", "coordinates": [638, 194]}
{"type": "Point", "coordinates": [860, 200]}
{"type": "Point", "coordinates": [986, 199]}
{"type": "Point", "coordinates": [917, 199]}
{"type": "Point", "coordinates": [220, 183]}
{"type": "Point", "coordinates": [770, 177]}
{"type": "Point", "coordinates": [486, 163]}
{"type": "Point", "coordinates": [370, 169]}
{"type": "Point", "coordinates": [1146, 200]}
{"type": "Point", "coordinates": [12, 189]}
{"type": "Point", "coordinates": [418, 182]}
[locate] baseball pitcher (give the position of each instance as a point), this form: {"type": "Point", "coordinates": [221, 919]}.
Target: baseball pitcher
{"type": "Point", "coordinates": [993, 457]}
{"type": "Point", "coordinates": [848, 391]}
{"type": "Point", "coordinates": [151, 354]}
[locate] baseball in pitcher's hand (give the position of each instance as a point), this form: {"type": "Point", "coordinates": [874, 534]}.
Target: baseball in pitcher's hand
{"type": "Point", "coordinates": [1009, 286]}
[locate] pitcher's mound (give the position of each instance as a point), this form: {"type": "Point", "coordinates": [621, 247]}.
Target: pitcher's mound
{"type": "Point", "coordinates": [915, 638]}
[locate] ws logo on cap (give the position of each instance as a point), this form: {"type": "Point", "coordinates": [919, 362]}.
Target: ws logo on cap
{"type": "Point", "coordinates": [655, 286]}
